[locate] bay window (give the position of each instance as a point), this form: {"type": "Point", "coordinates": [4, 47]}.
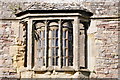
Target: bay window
{"type": "Point", "coordinates": [55, 40]}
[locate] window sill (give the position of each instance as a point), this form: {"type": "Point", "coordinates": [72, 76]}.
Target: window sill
{"type": "Point", "coordinates": [63, 69]}
{"type": "Point", "coordinates": [56, 68]}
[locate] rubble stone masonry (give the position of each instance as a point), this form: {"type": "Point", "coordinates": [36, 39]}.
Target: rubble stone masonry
{"type": "Point", "coordinates": [103, 40]}
{"type": "Point", "coordinates": [7, 39]}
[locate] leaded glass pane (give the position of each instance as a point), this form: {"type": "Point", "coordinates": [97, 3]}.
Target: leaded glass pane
{"type": "Point", "coordinates": [66, 40]}
{"type": "Point", "coordinates": [40, 54]}
{"type": "Point", "coordinates": [67, 44]}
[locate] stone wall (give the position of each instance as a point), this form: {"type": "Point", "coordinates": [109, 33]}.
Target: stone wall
{"type": "Point", "coordinates": [104, 42]}
{"type": "Point", "coordinates": [107, 43]}
{"type": "Point", "coordinates": [108, 8]}
{"type": "Point", "coordinates": [102, 39]}
{"type": "Point", "coordinates": [8, 35]}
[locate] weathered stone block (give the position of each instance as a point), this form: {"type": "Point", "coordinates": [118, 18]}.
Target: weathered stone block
{"type": "Point", "coordinates": [1, 30]}
{"type": "Point", "coordinates": [8, 62]}
{"type": "Point", "coordinates": [13, 50]}
{"type": "Point", "coordinates": [27, 74]}
{"type": "Point", "coordinates": [1, 63]}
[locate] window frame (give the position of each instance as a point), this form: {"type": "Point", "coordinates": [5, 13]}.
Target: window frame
{"type": "Point", "coordinates": [75, 52]}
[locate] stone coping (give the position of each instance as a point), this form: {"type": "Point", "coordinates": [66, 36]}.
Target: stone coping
{"type": "Point", "coordinates": [56, 6]}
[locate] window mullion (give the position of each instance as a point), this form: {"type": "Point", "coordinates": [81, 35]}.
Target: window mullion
{"type": "Point", "coordinates": [76, 58]}
{"type": "Point", "coordinates": [59, 44]}
{"type": "Point", "coordinates": [55, 47]}
{"type": "Point", "coordinates": [46, 44]}
{"type": "Point", "coordinates": [29, 45]}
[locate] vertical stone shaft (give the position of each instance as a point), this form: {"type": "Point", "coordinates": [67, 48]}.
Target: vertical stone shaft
{"type": "Point", "coordinates": [59, 44]}
{"type": "Point", "coordinates": [75, 43]}
{"type": "Point", "coordinates": [29, 56]}
{"type": "Point", "coordinates": [46, 43]}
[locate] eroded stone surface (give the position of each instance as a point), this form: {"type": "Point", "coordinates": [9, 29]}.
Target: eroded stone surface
{"type": "Point", "coordinates": [105, 38]}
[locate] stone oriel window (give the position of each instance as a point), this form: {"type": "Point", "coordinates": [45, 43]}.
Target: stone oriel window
{"type": "Point", "coordinates": [55, 44]}
{"type": "Point", "coordinates": [56, 39]}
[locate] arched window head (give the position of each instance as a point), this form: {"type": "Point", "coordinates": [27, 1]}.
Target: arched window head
{"type": "Point", "coordinates": [39, 25]}
{"type": "Point", "coordinates": [67, 24]}
{"type": "Point", "coordinates": [53, 24]}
